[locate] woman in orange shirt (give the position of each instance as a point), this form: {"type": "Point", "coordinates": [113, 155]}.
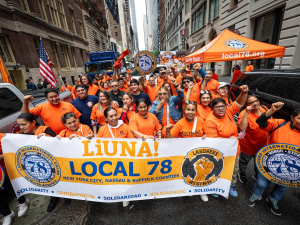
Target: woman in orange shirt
{"type": "Point", "coordinates": [128, 109]}
{"type": "Point", "coordinates": [254, 139]}
{"type": "Point", "coordinates": [204, 108]}
{"type": "Point", "coordinates": [97, 115]}
{"type": "Point", "coordinates": [220, 124]}
{"type": "Point", "coordinates": [187, 127]}
{"type": "Point", "coordinates": [91, 88]}
{"type": "Point", "coordinates": [144, 124]}
{"type": "Point", "coordinates": [73, 128]}
{"type": "Point", "coordinates": [105, 86]}
{"type": "Point", "coordinates": [280, 131]}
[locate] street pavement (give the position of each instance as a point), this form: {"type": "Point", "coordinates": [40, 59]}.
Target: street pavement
{"type": "Point", "coordinates": [180, 210]}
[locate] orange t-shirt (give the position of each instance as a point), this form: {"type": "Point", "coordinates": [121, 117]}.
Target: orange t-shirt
{"type": "Point", "coordinates": [225, 127]}
{"type": "Point", "coordinates": [195, 94]}
{"type": "Point", "coordinates": [212, 86]}
{"type": "Point", "coordinates": [203, 112]}
{"type": "Point", "coordinates": [97, 115]}
{"type": "Point", "coordinates": [145, 126]}
{"type": "Point", "coordinates": [93, 89]}
{"type": "Point", "coordinates": [84, 131]}
{"type": "Point", "coordinates": [215, 77]}
{"type": "Point", "coordinates": [51, 114]}
{"type": "Point", "coordinates": [121, 132]}
{"type": "Point", "coordinates": [164, 118]}
{"type": "Point", "coordinates": [129, 114]}
{"type": "Point", "coordinates": [40, 130]}
{"type": "Point", "coordinates": [235, 75]}
{"type": "Point", "coordinates": [284, 134]}
{"type": "Point", "coordinates": [255, 137]}
{"type": "Point", "coordinates": [152, 92]}
{"type": "Point", "coordinates": [183, 128]}
{"type": "Point", "coordinates": [249, 68]}
{"type": "Point", "coordinates": [123, 89]}
{"type": "Point", "coordinates": [74, 92]}
{"type": "Point", "coordinates": [63, 88]}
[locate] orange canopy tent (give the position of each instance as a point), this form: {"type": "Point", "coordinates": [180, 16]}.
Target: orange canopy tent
{"type": "Point", "coordinates": [229, 46]}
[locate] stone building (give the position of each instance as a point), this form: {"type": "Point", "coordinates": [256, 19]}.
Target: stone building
{"type": "Point", "coordinates": [162, 24]}
{"type": "Point", "coordinates": [61, 25]}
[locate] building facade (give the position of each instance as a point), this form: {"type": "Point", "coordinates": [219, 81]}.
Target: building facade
{"type": "Point", "coordinates": [155, 30]}
{"type": "Point", "coordinates": [60, 24]}
{"type": "Point", "coordinates": [274, 22]}
{"type": "Point", "coordinates": [162, 25]}
{"type": "Point", "coordinates": [174, 14]}
{"type": "Point", "coordinates": [148, 26]}
{"type": "Point", "coordinates": [134, 27]}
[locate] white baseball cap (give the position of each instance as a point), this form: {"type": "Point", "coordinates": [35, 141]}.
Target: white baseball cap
{"type": "Point", "coordinates": [223, 84]}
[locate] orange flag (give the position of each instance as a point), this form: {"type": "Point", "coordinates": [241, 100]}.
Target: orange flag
{"type": "Point", "coordinates": [118, 63]}
{"type": "Point", "coordinates": [4, 73]}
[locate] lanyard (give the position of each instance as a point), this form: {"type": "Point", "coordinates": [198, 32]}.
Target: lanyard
{"type": "Point", "coordinates": [194, 126]}
{"type": "Point", "coordinates": [111, 132]}
{"type": "Point", "coordinates": [168, 114]}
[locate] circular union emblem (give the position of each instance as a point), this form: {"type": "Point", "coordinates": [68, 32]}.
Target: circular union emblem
{"type": "Point", "coordinates": [2, 176]}
{"type": "Point", "coordinates": [236, 44]}
{"type": "Point", "coordinates": [280, 163]}
{"type": "Point", "coordinates": [167, 55]}
{"type": "Point", "coordinates": [145, 62]}
{"type": "Point", "coordinates": [202, 166]}
{"type": "Point", "coordinates": [38, 166]}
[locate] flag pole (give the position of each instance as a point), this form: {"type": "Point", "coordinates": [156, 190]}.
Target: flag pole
{"type": "Point", "coordinates": [53, 62]}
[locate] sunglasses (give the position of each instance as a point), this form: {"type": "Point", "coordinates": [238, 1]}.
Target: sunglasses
{"type": "Point", "coordinates": [191, 102]}
{"type": "Point", "coordinates": [162, 93]}
{"type": "Point", "coordinates": [205, 92]}
{"type": "Point", "coordinates": [187, 81]}
{"type": "Point", "coordinates": [113, 86]}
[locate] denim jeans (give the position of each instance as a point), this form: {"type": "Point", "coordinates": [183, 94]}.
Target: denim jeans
{"type": "Point", "coordinates": [260, 186]}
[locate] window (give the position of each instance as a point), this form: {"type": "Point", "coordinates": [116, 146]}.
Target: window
{"type": "Point", "coordinates": [180, 17]}
{"type": "Point", "coordinates": [5, 50]}
{"type": "Point", "coordinates": [81, 29]}
{"type": "Point", "coordinates": [73, 21]}
{"type": "Point", "coordinates": [187, 24]}
{"type": "Point", "coordinates": [9, 103]}
{"type": "Point", "coordinates": [187, 6]}
{"type": "Point", "coordinates": [64, 52]}
{"type": "Point", "coordinates": [198, 18]}
{"type": "Point", "coordinates": [213, 9]}
{"type": "Point", "coordinates": [233, 3]}
{"type": "Point", "coordinates": [42, 9]}
{"type": "Point", "coordinates": [63, 15]}
{"type": "Point", "coordinates": [194, 2]}
{"type": "Point", "coordinates": [54, 53]}
{"type": "Point", "coordinates": [53, 12]}
{"type": "Point", "coordinates": [116, 33]}
{"type": "Point", "coordinates": [37, 46]}
{"type": "Point", "coordinates": [73, 56]}
{"type": "Point", "coordinates": [24, 5]}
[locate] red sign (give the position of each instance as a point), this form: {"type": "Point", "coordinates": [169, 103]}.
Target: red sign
{"type": "Point", "coordinates": [183, 32]}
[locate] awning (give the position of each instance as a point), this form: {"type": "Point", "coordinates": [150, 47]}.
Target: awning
{"type": "Point", "coordinates": [194, 48]}
{"type": "Point", "coordinates": [229, 46]}
{"type": "Point", "coordinates": [180, 53]}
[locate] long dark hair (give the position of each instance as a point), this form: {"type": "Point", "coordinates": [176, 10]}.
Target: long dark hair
{"type": "Point", "coordinates": [88, 77]}
{"type": "Point", "coordinates": [171, 92]}
{"type": "Point", "coordinates": [29, 117]}
{"type": "Point", "coordinates": [138, 102]}
{"type": "Point", "coordinates": [107, 110]}
{"type": "Point", "coordinates": [203, 93]}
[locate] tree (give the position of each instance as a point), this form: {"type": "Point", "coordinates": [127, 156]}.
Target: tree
{"type": "Point", "coordinates": [155, 53]}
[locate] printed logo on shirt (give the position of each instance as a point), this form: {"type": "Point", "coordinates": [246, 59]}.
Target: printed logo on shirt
{"type": "Point", "coordinates": [38, 166]}
{"type": "Point", "coordinates": [63, 109]}
{"type": "Point", "coordinates": [202, 166]}
{"type": "Point", "coordinates": [194, 91]}
{"type": "Point", "coordinates": [121, 132]}
{"type": "Point", "coordinates": [2, 176]}
{"type": "Point", "coordinates": [280, 163]}
{"type": "Point", "coordinates": [90, 104]}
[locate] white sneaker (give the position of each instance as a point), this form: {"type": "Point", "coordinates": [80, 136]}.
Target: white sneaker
{"type": "Point", "coordinates": [204, 198]}
{"type": "Point", "coordinates": [125, 204]}
{"type": "Point", "coordinates": [8, 219]}
{"type": "Point", "coordinates": [23, 208]}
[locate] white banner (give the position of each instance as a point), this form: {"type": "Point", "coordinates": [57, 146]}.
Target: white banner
{"type": "Point", "coordinates": [113, 170]}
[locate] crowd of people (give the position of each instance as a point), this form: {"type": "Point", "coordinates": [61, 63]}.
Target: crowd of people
{"type": "Point", "coordinates": [175, 104]}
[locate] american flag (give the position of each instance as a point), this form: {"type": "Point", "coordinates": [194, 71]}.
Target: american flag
{"type": "Point", "coordinates": [45, 66]}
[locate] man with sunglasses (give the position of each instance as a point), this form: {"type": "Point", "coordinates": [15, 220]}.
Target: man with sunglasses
{"type": "Point", "coordinates": [195, 92]}
{"type": "Point", "coordinates": [116, 93]}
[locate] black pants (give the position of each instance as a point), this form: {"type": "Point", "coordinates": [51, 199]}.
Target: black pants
{"type": "Point", "coordinates": [244, 160]}
{"type": "Point", "coordinates": [4, 208]}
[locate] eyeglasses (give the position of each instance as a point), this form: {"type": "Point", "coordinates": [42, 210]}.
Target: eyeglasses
{"type": "Point", "coordinates": [113, 86]}
{"type": "Point", "coordinates": [187, 81]}
{"type": "Point", "coordinates": [162, 93]}
{"type": "Point", "coordinates": [205, 92]}
{"type": "Point", "coordinates": [220, 107]}
{"type": "Point", "coordinates": [191, 102]}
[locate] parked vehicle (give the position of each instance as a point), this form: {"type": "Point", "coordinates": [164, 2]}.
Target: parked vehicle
{"type": "Point", "coordinates": [101, 62]}
{"type": "Point", "coordinates": [11, 101]}
{"type": "Point", "coordinates": [273, 86]}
